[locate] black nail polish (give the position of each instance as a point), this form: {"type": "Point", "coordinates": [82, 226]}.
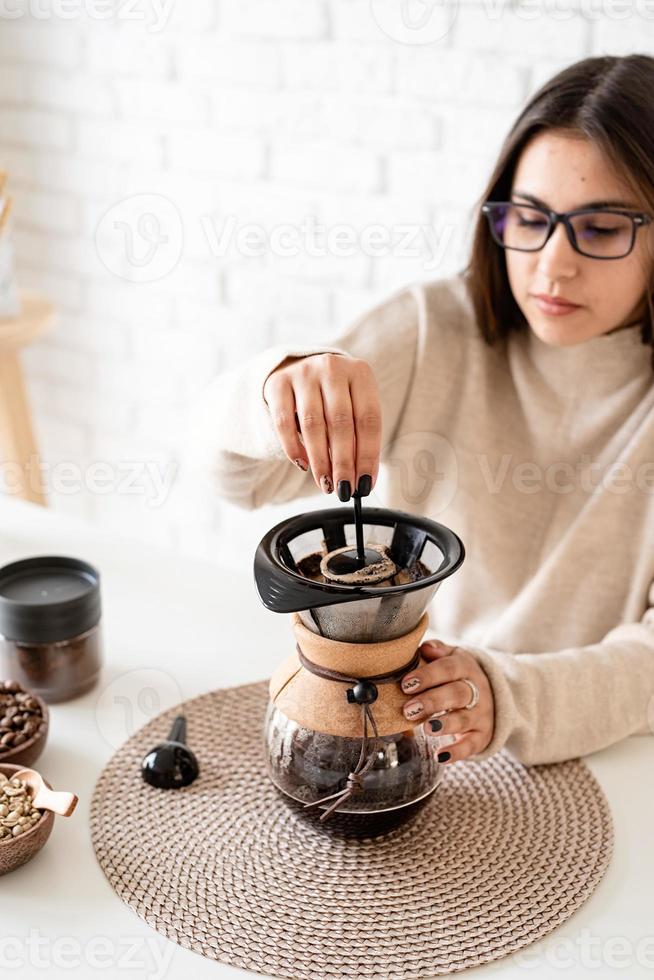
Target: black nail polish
{"type": "Point", "coordinates": [443, 756]}
{"type": "Point", "coordinates": [344, 492]}
{"type": "Point", "coordinates": [435, 724]}
{"type": "Point", "coordinates": [365, 485]}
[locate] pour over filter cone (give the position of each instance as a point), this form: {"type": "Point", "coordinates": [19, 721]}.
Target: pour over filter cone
{"type": "Point", "coordinates": [360, 613]}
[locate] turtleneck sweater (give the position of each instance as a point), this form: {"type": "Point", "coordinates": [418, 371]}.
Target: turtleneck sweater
{"type": "Point", "coordinates": [540, 457]}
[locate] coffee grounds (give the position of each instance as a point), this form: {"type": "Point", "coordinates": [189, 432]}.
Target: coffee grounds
{"type": "Point", "coordinates": [379, 570]}
{"type": "Point", "coordinates": [309, 567]}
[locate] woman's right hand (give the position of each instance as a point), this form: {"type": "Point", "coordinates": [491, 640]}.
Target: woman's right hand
{"type": "Point", "coordinates": [327, 414]}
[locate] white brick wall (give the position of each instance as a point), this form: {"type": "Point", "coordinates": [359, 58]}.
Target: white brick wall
{"type": "Point", "coordinates": [254, 112]}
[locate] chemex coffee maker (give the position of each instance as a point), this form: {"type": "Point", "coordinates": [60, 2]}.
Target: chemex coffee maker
{"type": "Point", "coordinates": [358, 584]}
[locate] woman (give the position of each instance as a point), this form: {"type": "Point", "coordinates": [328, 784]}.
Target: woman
{"type": "Point", "coordinates": [515, 404]}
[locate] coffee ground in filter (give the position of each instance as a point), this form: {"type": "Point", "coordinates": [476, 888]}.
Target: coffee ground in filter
{"type": "Point", "coordinates": [309, 567]}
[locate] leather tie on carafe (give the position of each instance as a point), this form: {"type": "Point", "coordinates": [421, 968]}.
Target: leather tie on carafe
{"type": "Point", "coordinates": [355, 778]}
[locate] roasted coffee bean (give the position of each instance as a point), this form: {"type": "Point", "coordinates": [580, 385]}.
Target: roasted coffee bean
{"type": "Point", "coordinates": [20, 715]}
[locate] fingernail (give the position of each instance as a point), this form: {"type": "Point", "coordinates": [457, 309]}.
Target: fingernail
{"type": "Point", "coordinates": [413, 710]}
{"type": "Point", "coordinates": [344, 492]}
{"type": "Point", "coordinates": [435, 724]}
{"type": "Point", "coordinates": [365, 485]}
{"type": "Point", "coordinates": [410, 684]}
{"type": "Point", "coordinates": [301, 464]}
{"type": "Point", "coordinates": [326, 484]}
{"type": "Point", "coordinates": [443, 756]}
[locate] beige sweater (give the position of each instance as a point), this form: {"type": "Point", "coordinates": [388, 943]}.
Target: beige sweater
{"type": "Point", "coordinates": [542, 460]}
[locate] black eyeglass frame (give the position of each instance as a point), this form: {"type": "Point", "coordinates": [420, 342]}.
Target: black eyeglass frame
{"type": "Point", "coordinates": [638, 220]}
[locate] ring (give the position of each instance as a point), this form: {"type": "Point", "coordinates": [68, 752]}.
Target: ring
{"type": "Point", "coordinates": [475, 693]}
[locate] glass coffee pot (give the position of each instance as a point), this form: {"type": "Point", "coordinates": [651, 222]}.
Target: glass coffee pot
{"type": "Point", "coordinates": [335, 737]}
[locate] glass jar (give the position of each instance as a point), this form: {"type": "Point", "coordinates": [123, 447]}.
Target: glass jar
{"type": "Point", "coordinates": [50, 614]}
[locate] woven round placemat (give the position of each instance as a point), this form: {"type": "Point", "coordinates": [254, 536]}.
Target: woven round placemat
{"type": "Point", "coordinates": [498, 856]}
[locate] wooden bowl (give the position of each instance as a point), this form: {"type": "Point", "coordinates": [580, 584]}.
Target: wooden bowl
{"type": "Point", "coordinates": [25, 754]}
{"type": "Point", "coordinates": [15, 851]}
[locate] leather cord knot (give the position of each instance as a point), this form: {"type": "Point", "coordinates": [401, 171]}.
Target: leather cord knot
{"type": "Point", "coordinates": [362, 694]}
{"type": "Point", "coordinates": [355, 782]}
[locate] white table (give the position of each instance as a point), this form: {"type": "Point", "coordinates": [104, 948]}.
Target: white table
{"type": "Point", "coordinates": [159, 611]}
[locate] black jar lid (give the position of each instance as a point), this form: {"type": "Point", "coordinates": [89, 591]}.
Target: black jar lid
{"type": "Point", "coordinates": [48, 598]}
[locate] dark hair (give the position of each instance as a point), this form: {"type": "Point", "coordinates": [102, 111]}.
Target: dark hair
{"type": "Point", "coordinates": [607, 100]}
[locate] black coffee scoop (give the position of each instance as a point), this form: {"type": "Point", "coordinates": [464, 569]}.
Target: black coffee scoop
{"type": "Point", "coordinates": [171, 764]}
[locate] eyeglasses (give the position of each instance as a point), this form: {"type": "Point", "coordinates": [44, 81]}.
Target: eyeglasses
{"type": "Point", "coordinates": [596, 232]}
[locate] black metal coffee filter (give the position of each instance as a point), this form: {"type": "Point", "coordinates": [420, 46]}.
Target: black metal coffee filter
{"type": "Point", "coordinates": [283, 589]}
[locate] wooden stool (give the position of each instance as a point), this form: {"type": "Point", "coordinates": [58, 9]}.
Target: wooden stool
{"type": "Point", "coordinates": [17, 443]}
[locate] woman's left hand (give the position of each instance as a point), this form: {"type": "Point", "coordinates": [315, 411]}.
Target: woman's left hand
{"type": "Point", "coordinates": [441, 692]}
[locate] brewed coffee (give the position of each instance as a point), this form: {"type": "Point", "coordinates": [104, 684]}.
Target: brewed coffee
{"type": "Point", "coordinates": [306, 765]}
